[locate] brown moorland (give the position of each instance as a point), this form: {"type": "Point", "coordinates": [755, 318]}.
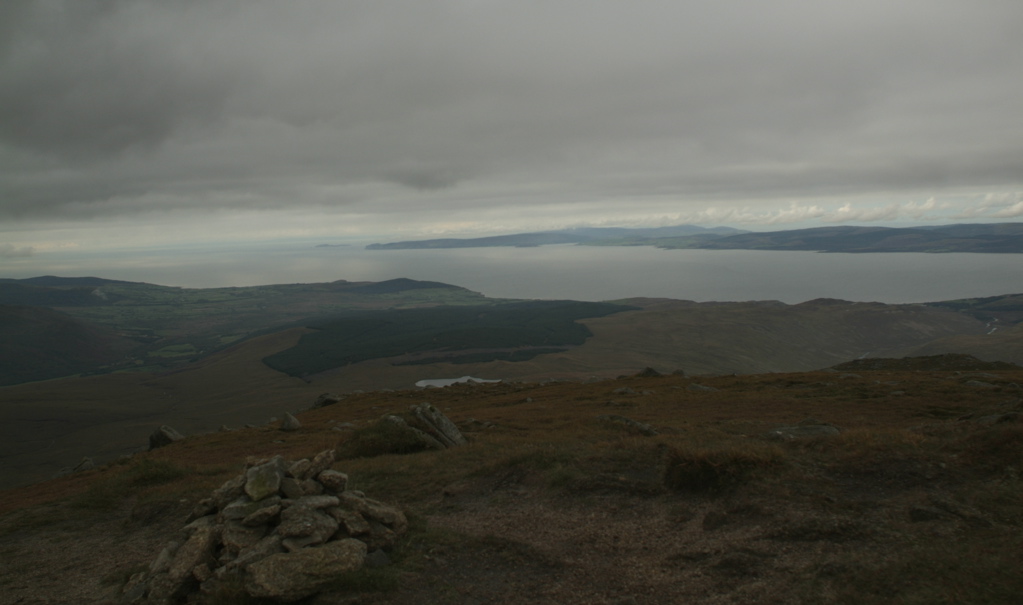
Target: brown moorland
{"type": "Point", "coordinates": [47, 425]}
{"type": "Point", "coordinates": [917, 499]}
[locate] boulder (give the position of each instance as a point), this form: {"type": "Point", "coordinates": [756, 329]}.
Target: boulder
{"type": "Point", "coordinates": [265, 479]}
{"type": "Point", "coordinates": [332, 481]}
{"type": "Point", "coordinates": [290, 423]}
{"type": "Point", "coordinates": [700, 388]}
{"type": "Point", "coordinates": [294, 576]}
{"type": "Point", "coordinates": [326, 399]}
{"type": "Point", "coordinates": [162, 436]}
{"type": "Point", "coordinates": [438, 425]}
{"type": "Point", "coordinates": [424, 438]}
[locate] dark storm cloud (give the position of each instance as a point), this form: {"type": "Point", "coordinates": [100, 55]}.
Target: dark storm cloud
{"type": "Point", "coordinates": [114, 106]}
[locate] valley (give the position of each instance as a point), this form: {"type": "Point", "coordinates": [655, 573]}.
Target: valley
{"type": "Point", "coordinates": [272, 349]}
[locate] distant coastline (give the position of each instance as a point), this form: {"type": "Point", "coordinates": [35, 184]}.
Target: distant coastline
{"type": "Point", "coordinates": [999, 238]}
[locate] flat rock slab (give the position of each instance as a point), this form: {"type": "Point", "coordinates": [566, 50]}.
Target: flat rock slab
{"type": "Point", "coordinates": [294, 576]}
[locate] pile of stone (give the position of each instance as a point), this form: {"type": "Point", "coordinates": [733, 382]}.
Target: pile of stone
{"type": "Point", "coordinates": [281, 530]}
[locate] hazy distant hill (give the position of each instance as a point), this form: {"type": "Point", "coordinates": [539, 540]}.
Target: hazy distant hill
{"type": "Point", "coordinates": [992, 238]}
{"type": "Point", "coordinates": [567, 236]}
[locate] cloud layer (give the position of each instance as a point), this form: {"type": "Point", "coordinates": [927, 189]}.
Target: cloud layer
{"type": "Point", "coordinates": [574, 111]}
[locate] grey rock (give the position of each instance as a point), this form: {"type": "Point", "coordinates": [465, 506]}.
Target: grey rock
{"type": "Point", "coordinates": [700, 388]}
{"type": "Point", "coordinates": [163, 436]}
{"type": "Point", "coordinates": [236, 536]}
{"type": "Point", "coordinates": [333, 481]}
{"type": "Point", "coordinates": [201, 523]}
{"type": "Point", "coordinates": [302, 522]}
{"type": "Point", "coordinates": [350, 522]}
{"type": "Point", "coordinates": [262, 516]}
{"type": "Point", "coordinates": [434, 422]}
{"type": "Point", "coordinates": [979, 384]}
{"type": "Point", "coordinates": [231, 490]}
{"type": "Point", "coordinates": [374, 510]}
{"type": "Point", "coordinates": [135, 590]}
{"type": "Point", "coordinates": [320, 463]}
{"type": "Point", "coordinates": [428, 441]}
{"type": "Point", "coordinates": [268, 546]}
{"type": "Point", "coordinates": [999, 418]}
{"type": "Point", "coordinates": [296, 544]}
{"type": "Point", "coordinates": [316, 502]}
{"type": "Point", "coordinates": [244, 506]}
{"type": "Point", "coordinates": [162, 562]}
{"type": "Point", "coordinates": [310, 487]}
{"type": "Point", "coordinates": [264, 480]}
{"type": "Point", "coordinates": [201, 509]}
{"type": "Point", "coordinates": [326, 399]}
{"type": "Point", "coordinates": [178, 580]}
{"type": "Point", "coordinates": [292, 488]}
{"type": "Point", "coordinates": [788, 433]}
{"type": "Point", "coordinates": [299, 468]}
{"type": "Point", "coordinates": [379, 536]}
{"type": "Point", "coordinates": [86, 464]}
{"type": "Point", "coordinates": [293, 576]}
{"type": "Point", "coordinates": [290, 423]}
{"type": "Point", "coordinates": [377, 558]}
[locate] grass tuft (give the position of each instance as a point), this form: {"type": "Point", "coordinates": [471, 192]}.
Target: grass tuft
{"type": "Point", "coordinates": [700, 468]}
{"type": "Point", "coordinates": [107, 494]}
{"type": "Point", "coordinates": [378, 439]}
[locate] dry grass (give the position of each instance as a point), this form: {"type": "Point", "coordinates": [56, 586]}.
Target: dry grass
{"type": "Point", "coordinates": [706, 468]}
{"type": "Point", "coordinates": [904, 505]}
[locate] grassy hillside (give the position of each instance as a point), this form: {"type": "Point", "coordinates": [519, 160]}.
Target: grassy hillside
{"type": "Point", "coordinates": [39, 343]}
{"type": "Point", "coordinates": [45, 426]}
{"type": "Point", "coordinates": [917, 499]}
{"type": "Point", "coordinates": [165, 327]}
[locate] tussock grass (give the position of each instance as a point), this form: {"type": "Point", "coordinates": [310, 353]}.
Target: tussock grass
{"type": "Point", "coordinates": [981, 570]}
{"type": "Point", "coordinates": [994, 448]}
{"type": "Point", "coordinates": [108, 493]}
{"type": "Point", "coordinates": [712, 467]}
{"type": "Point", "coordinates": [378, 439]}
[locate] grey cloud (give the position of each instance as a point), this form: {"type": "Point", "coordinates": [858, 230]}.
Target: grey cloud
{"type": "Point", "coordinates": [12, 251]}
{"type": "Point", "coordinates": [113, 106]}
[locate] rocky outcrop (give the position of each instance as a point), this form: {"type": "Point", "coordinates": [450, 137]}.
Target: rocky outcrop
{"type": "Point", "coordinates": [326, 399]}
{"type": "Point", "coordinates": [437, 425]}
{"type": "Point", "coordinates": [280, 530]}
{"type": "Point", "coordinates": [162, 436]}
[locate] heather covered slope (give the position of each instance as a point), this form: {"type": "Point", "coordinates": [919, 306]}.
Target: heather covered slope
{"type": "Point", "coordinates": [40, 343]}
{"type": "Point", "coordinates": [49, 425]}
{"type": "Point", "coordinates": [158, 328]}
{"type": "Point", "coordinates": [912, 495]}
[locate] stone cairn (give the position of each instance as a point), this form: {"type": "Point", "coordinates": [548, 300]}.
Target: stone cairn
{"type": "Point", "coordinates": [280, 530]}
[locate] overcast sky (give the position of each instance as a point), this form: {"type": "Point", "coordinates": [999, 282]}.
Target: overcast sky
{"type": "Point", "coordinates": [143, 121]}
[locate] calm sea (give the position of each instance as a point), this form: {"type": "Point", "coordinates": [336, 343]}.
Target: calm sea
{"type": "Point", "coordinates": [565, 272]}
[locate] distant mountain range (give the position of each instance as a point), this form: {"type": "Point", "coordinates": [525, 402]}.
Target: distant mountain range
{"type": "Point", "coordinates": [584, 235]}
{"type": "Point", "coordinates": [986, 238]}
